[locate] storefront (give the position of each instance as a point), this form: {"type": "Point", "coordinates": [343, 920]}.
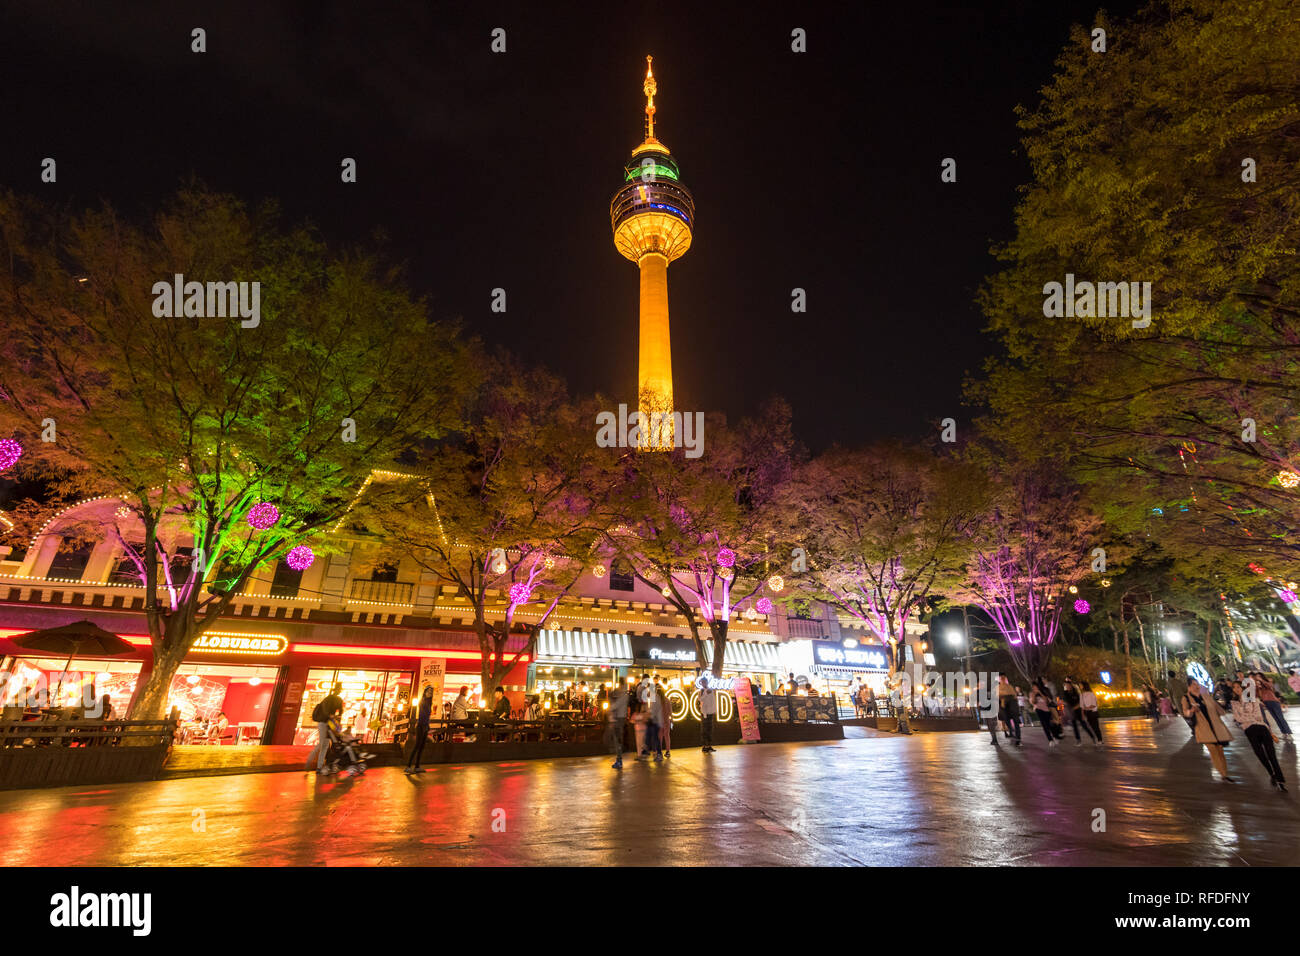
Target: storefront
{"type": "Point", "coordinates": [572, 657]}
{"type": "Point", "coordinates": [265, 686]}
{"type": "Point", "coordinates": [839, 670]}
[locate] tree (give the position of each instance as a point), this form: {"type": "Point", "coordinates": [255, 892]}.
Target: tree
{"type": "Point", "coordinates": [507, 508]}
{"type": "Point", "coordinates": [700, 529]}
{"type": "Point", "coordinates": [194, 420]}
{"type": "Point", "coordinates": [1182, 172]}
{"type": "Point", "coordinates": [883, 529]}
{"type": "Point", "coordinates": [1030, 545]}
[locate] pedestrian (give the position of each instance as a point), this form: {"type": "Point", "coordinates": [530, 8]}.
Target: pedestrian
{"type": "Point", "coordinates": [1074, 711]}
{"type": "Point", "coordinates": [654, 720]}
{"type": "Point", "coordinates": [1250, 718]}
{"type": "Point", "coordinates": [618, 700]}
{"type": "Point", "coordinates": [1267, 694]}
{"type": "Point", "coordinates": [460, 706]}
{"type": "Point", "coordinates": [790, 686]}
{"type": "Point", "coordinates": [1293, 680]}
{"type": "Point", "coordinates": [1088, 703]}
{"type": "Point", "coordinates": [986, 702]}
{"type": "Point", "coordinates": [328, 709]}
{"type": "Point", "coordinates": [873, 708]}
{"type": "Point", "coordinates": [1026, 711]}
{"type": "Point", "coordinates": [534, 709]}
{"type": "Point", "coordinates": [421, 730]}
{"type": "Point", "coordinates": [1166, 707]}
{"type": "Point", "coordinates": [665, 721]}
{"type": "Point", "coordinates": [1042, 704]}
{"type": "Point", "coordinates": [708, 712]}
{"type": "Point", "coordinates": [1009, 708]}
{"type": "Point", "coordinates": [1207, 718]}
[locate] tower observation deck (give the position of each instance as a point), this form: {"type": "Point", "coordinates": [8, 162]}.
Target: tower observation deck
{"type": "Point", "coordinates": [653, 217]}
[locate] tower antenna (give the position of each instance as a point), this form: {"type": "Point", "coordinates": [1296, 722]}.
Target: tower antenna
{"type": "Point", "coordinates": [650, 88]}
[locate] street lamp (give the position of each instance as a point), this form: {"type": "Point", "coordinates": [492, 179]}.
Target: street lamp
{"type": "Point", "coordinates": [1174, 636]}
{"type": "Point", "coordinates": [955, 637]}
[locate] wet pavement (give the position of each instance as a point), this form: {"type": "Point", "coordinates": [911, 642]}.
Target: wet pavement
{"type": "Point", "coordinates": [928, 799]}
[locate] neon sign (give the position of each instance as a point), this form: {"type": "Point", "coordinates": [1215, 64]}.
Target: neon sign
{"type": "Point", "coordinates": [264, 646]}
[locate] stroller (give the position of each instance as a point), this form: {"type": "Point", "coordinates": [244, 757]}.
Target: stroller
{"type": "Point", "coordinates": [345, 755]}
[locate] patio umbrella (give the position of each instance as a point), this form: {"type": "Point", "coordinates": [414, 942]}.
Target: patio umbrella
{"type": "Point", "coordinates": [77, 639]}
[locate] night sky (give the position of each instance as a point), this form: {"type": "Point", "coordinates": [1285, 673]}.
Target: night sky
{"type": "Point", "coordinates": [818, 170]}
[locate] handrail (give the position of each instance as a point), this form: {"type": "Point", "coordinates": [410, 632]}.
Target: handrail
{"type": "Point", "coordinates": [14, 732]}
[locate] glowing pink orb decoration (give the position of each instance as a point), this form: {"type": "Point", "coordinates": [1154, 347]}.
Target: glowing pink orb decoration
{"type": "Point", "coordinates": [763, 605]}
{"type": "Point", "coordinates": [1082, 607]}
{"type": "Point", "coordinates": [10, 452]}
{"type": "Point", "coordinates": [300, 558]}
{"type": "Point", "coordinates": [520, 593]}
{"type": "Point", "coordinates": [726, 558]}
{"type": "Point", "coordinates": [263, 515]}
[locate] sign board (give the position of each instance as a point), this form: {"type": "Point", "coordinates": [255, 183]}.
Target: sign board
{"type": "Point", "coordinates": [293, 693]}
{"type": "Point", "coordinates": [745, 710]}
{"type": "Point", "coordinates": [433, 673]}
{"type": "Point", "coordinates": [665, 650]}
{"type": "Point", "coordinates": [253, 645]}
{"type": "Point", "coordinates": [869, 658]}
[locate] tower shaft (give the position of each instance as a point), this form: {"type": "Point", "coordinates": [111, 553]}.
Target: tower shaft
{"type": "Point", "coordinates": [655, 372]}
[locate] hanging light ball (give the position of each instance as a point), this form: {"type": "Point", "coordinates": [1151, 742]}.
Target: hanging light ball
{"type": "Point", "coordinates": [1074, 589]}
{"type": "Point", "coordinates": [520, 593]}
{"type": "Point", "coordinates": [123, 512]}
{"type": "Point", "coordinates": [725, 573]}
{"type": "Point", "coordinates": [1105, 582]}
{"type": "Point", "coordinates": [726, 558]}
{"type": "Point", "coordinates": [10, 452]}
{"type": "Point", "coordinates": [598, 570]}
{"type": "Point", "coordinates": [763, 605]}
{"type": "Point", "coordinates": [549, 562]}
{"type": "Point", "coordinates": [775, 583]}
{"type": "Point", "coordinates": [300, 558]}
{"type": "Point", "coordinates": [751, 615]}
{"type": "Point", "coordinates": [1287, 596]}
{"type": "Point", "coordinates": [1288, 479]}
{"type": "Point", "coordinates": [263, 515]}
{"type": "Point", "coordinates": [667, 592]}
{"type": "Point", "coordinates": [1082, 607]}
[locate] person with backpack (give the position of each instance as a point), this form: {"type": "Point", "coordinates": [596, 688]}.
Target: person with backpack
{"type": "Point", "coordinates": [328, 709]}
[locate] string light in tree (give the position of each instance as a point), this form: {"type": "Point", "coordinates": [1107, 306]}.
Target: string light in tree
{"type": "Point", "coordinates": [598, 571]}
{"type": "Point", "coordinates": [775, 583]}
{"type": "Point", "coordinates": [300, 558]}
{"type": "Point", "coordinates": [1082, 607]}
{"type": "Point", "coordinates": [263, 515]}
{"type": "Point", "coordinates": [725, 573]}
{"type": "Point", "coordinates": [1288, 479]}
{"type": "Point", "coordinates": [10, 452]}
{"type": "Point", "coordinates": [123, 512]}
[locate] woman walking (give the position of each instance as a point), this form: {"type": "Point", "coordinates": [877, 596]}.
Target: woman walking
{"type": "Point", "coordinates": [1088, 701]}
{"type": "Point", "coordinates": [1041, 701]}
{"type": "Point", "coordinates": [1268, 698]}
{"type": "Point", "coordinates": [1250, 718]}
{"type": "Point", "coordinates": [1074, 712]}
{"type": "Point", "coordinates": [421, 730]}
{"type": "Point", "coordinates": [1206, 717]}
{"type": "Point", "coordinates": [1009, 708]}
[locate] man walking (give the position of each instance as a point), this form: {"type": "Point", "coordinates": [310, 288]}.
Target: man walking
{"type": "Point", "coordinates": [617, 721]}
{"type": "Point", "coordinates": [708, 711]}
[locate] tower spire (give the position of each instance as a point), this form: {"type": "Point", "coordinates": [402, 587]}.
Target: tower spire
{"type": "Point", "coordinates": [650, 88]}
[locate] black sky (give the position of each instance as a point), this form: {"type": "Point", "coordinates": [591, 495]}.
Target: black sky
{"type": "Point", "coordinates": [817, 170]}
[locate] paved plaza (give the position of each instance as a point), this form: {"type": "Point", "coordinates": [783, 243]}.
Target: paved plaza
{"type": "Point", "coordinates": [873, 799]}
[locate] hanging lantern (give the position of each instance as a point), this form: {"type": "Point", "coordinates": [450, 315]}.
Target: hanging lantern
{"type": "Point", "coordinates": [300, 558]}
{"type": "Point", "coordinates": [263, 515]}
{"type": "Point", "coordinates": [775, 583]}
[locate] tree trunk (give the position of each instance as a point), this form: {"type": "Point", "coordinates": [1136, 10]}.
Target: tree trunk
{"type": "Point", "coordinates": [152, 701]}
{"type": "Point", "coordinates": [1209, 626]}
{"type": "Point", "coordinates": [1128, 661]}
{"type": "Point", "coordinates": [718, 629]}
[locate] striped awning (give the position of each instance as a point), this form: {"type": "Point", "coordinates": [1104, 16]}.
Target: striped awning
{"type": "Point", "coordinates": [742, 655]}
{"type": "Point", "coordinates": [594, 647]}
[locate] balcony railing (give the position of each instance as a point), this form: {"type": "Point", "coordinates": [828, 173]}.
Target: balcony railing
{"type": "Point", "coordinates": [382, 592]}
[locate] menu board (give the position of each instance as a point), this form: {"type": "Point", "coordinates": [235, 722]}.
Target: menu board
{"type": "Point", "coordinates": [745, 711]}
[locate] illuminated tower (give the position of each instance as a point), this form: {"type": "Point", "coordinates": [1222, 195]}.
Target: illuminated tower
{"type": "Point", "coordinates": [652, 216]}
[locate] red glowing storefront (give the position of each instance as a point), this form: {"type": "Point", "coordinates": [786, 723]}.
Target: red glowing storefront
{"type": "Point", "coordinates": [265, 682]}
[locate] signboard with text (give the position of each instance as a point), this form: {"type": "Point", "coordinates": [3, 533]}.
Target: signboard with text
{"type": "Point", "coordinates": [433, 673]}
{"type": "Point", "coordinates": [871, 657]}
{"type": "Point", "coordinates": [745, 710]}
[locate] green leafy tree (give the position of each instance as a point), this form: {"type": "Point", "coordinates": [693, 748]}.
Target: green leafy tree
{"type": "Point", "coordinates": [190, 420]}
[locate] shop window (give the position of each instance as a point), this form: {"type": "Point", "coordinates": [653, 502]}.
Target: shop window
{"type": "Point", "coordinates": [620, 576]}
{"type": "Point", "coordinates": [70, 564]}
{"type": "Point", "coordinates": [126, 571]}
{"type": "Point", "coordinates": [286, 581]}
